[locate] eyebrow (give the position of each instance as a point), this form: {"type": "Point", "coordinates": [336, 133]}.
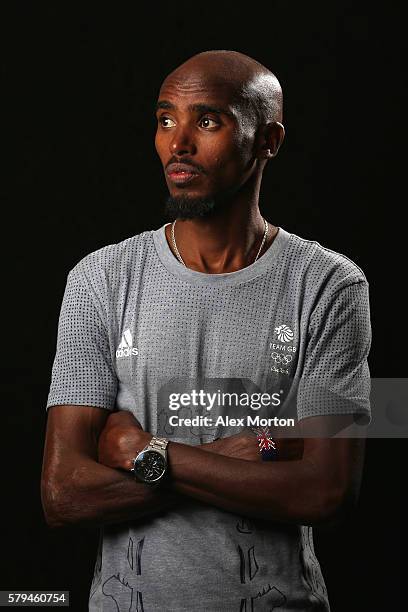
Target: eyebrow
{"type": "Point", "coordinates": [201, 108]}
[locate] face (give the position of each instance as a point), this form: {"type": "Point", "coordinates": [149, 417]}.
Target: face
{"type": "Point", "coordinates": [204, 143]}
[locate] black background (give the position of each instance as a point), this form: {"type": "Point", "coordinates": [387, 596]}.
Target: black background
{"type": "Point", "coordinates": [80, 89]}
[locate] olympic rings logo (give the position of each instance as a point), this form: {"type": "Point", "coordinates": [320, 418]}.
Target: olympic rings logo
{"type": "Point", "coordinates": [281, 359]}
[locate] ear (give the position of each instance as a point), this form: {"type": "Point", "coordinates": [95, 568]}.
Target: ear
{"type": "Point", "coordinates": [271, 136]}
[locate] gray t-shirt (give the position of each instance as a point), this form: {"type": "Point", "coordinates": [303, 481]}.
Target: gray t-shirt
{"type": "Point", "coordinates": [135, 326]}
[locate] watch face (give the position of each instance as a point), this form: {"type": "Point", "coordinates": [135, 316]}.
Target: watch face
{"type": "Point", "coordinates": [149, 466]}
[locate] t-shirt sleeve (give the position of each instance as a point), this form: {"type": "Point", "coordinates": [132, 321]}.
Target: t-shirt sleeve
{"type": "Point", "coordinates": [336, 377]}
{"type": "Point", "coordinates": [83, 372]}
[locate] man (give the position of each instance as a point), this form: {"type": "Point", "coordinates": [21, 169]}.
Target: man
{"type": "Point", "coordinates": [219, 299]}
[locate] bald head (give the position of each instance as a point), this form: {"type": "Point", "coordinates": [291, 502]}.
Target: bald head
{"type": "Point", "coordinates": [253, 88]}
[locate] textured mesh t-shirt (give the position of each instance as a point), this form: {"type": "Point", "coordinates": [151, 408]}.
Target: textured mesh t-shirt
{"type": "Point", "coordinates": [133, 319]}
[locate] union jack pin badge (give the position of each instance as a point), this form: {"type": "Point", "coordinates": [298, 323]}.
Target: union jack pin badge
{"type": "Point", "coordinates": [267, 446]}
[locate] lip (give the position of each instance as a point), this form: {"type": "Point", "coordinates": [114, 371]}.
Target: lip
{"type": "Point", "coordinates": [182, 177]}
{"type": "Point", "coordinates": [179, 167]}
{"type": "Point", "coordinates": [181, 173]}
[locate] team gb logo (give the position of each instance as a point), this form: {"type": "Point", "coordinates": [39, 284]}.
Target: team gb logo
{"type": "Point", "coordinates": [285, 334]}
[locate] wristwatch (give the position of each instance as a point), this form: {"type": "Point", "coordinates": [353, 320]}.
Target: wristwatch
{"type": "Point", "coordinates": [150, 465]}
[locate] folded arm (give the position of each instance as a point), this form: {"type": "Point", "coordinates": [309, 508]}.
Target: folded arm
{"type": "Point", "coordinates": [86, 479]}
{"type": "Point", "coordinates": [316, 486]}
{"type": "Point", "coordinates": [78, 490]}
{"type": "Point", "coordinates": [314, 489]}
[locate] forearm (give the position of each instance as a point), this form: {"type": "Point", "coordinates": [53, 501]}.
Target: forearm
{"type": "Point", "coordinates": [284, 491]}
{"type": "Point", "coordinates": [229, 474]}
{"type": "Point", "coordinates": [92, 495]}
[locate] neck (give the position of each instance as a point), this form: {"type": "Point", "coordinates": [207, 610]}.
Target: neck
{"type": "Point", "coordinates": [225, 242]}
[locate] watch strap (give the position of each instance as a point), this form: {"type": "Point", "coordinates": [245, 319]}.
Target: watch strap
{"type": "Point", "coordinates": [159, 444]}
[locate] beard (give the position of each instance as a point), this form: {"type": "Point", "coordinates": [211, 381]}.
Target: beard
{"type": "Point", "coordinates": [184, 207]}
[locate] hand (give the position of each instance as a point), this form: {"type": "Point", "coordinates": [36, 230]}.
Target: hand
{"type": "Point", "coordinates": [121, 439]}
{"type": "Point", "coordinates": [245, 446]}
{"type": "Point", "coordinates": [239, 446]}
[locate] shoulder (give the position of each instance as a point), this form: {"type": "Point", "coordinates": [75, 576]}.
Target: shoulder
{"type": "Point", "coordinates": [323, 267]}
{"type": "Point", "coordinates": [113, 261]}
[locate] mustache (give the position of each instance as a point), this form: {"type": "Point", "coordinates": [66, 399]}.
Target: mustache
{"type": "Point", "coordinates": [187, 161]}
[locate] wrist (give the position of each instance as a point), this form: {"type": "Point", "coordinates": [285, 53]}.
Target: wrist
{"type": "Point", "coordinates": [140, 441]}
{"type": "Point", "coordinates": [150, 465]}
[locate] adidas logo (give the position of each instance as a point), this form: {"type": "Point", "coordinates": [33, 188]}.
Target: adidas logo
{"type": "Point", "coordinates": [125, 348]}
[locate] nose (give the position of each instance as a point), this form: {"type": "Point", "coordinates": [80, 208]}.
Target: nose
{"type": "Point", "coordinates": [182, 142]}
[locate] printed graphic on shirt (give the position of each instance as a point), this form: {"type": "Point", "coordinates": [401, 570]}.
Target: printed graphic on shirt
{"type": "Point", "coordinates": [254, 573]}
{"type": "Point", "coordinates": [126, 348]}
{"type": "Point", "coordinates": [283, 350]}
{"type": "Point", "coordinates": [125, 590]}
{"type": "Point", "coordinates": [284, 333]}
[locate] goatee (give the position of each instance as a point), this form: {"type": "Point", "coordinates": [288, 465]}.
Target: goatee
{"type": "Point", "coordinates": [183, 207]}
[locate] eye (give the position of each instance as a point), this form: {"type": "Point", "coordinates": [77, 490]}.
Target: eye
{"type": "Point", "coordinates": [164, 118]}
{"type": "Point", "coordinates": [215, 123]}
